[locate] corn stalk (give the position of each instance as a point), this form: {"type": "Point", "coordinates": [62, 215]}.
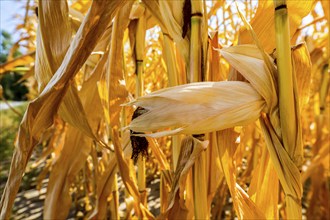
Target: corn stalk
{"type": "Point", "coordinates": [287, 102]}
{"type": "Point", "coordinates": [172, 72]}
{"type": "Point", "coordinates": [139, 52]}
{"type": "Point", "coordinates": [195, 68]}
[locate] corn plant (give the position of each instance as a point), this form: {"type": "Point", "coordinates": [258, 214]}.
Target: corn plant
{"type": "Point", "coordinates": [226, 103]}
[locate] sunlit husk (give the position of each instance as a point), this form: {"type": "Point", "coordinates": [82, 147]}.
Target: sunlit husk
{"type": "Point", "coordinates": [226, 104]}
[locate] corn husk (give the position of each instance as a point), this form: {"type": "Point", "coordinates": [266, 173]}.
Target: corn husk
{"type": "Point", "coordinates": [221, 108]}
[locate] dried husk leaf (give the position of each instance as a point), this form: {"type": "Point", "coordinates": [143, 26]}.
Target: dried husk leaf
{"type": "Point", "coordinates": [198, 108]}
{"type": "Point", "coordinates": [248, 60]}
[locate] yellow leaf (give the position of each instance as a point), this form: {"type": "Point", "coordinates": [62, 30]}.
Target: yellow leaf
{"type": "Point", "coordinates": [39, 114]}
{"type": "Point", "coordinates": [22, 60]}
{"type": "Point", "coordinates": [263, 22]}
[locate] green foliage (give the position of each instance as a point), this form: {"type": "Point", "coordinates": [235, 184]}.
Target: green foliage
{"type": "Point", "coordinates": [9, 122]}
{"type": "Point", "coordinates": [11, 89]}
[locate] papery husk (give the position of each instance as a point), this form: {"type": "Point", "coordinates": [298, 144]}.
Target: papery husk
{"type": "Point", "coordinates": [248, 61]}
{"type": "Point", "coordinates": [198, 108]}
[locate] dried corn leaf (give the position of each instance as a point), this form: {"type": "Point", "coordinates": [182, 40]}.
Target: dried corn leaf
{"type": "Point", "coordinates": [26, 59]}
{"type": "Point", "coordinates": [215, 8]}
{"type": "Point", "coordinates": [75, 151]}
{"type": "Point", "coordinates": [322, 157]}
{"type": "Point", "coordinates": [117, 95]}
{"type": "Point", "coordinates": [191, 148]}
{"type": "Point", "coordinates": [200, 187]}
{"type": "Point", "coordinates": [52, 46]}
{"type": "Point", "coordinates": [265, 182]}
{"type": "Point", "coordinates": [137, 11]}
{"type": "Point", "coordinates": [128, 179]}
{"type": "Point", "coordinates": [244, 206]}
{"type": "Point", "coordinates": [39, 114]}
{"type": "Point", "coordinates": [170, 58]}
{"type": "Point", "coordinates": [303, 70]}
{"type": "Point", "coordinates": [154, 8]}
{"type": "Point", "coordinates": [104, 96]}
{"type": "Point", "coordinates": [214, 174]}
{"type": "Point", "coordinates": [287, 172]}
{"type": "Point", "coordinates": [263, 22]}
{"type": "Point", "coordinates": [81, 6]}
{"type": "Point", "coordinates": [159, 154]}
{"type": "Point", "coordinates": [215, 72]}
{"type": "Point", "coordinates": [103, 189]}
{"type": "Point", "coordinates": [180, 207]}
{"type": "Point", "coordinates": [326, 6]}
{"type": "Point", "coordinates": [114, 70]}
{"type": "Point", "coordinates": [172, 18]}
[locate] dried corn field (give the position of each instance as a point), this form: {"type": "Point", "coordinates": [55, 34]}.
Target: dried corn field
{"type": "Point", "coordinates": [224, 103]}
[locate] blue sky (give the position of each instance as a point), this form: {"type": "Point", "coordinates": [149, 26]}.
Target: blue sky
{"type": "Point", "coordinates": [8, 10]}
